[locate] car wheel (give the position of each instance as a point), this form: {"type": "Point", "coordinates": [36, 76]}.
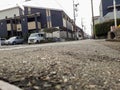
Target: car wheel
{"type": "Point", "coordinates": [37, 42]}
{"type": "Point", "coordinates": [14, 43]}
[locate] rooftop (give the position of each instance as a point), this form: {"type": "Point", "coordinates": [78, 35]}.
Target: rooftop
{"type": "Point", "coordinates": [11, 6]}
{"type": "Point", "coordinates": [51, 4]}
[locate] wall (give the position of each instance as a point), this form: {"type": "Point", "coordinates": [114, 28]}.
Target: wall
{"type": "Point", "coordinates": [106, 3]}
{"type": "Point", "coordinates": [3, 28]}
{"type": "Point", "coordinates": [9, 13]}
{"type": "Point", "coordinates": [56, 18]}
{"type": "Point", "coordinates": [56, 34]}
{"type": "Point", "coordinates": [69, 25]}
{"type": "Point", "coordinates": [63, 34]}
{"type": "Point", "coordinates": [110, 15]}
{"type": "Point", "coordinates": [42, 17]}
{"type": "Point", "coordinates": [24, 25]}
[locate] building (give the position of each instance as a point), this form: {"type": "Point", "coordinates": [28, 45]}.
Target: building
{"type": "Point", "coordinates": [96, 19]}
{"type": "Point", "coordinates": [8, 20]}
{"type": "Point", "coordinates": [106, 6]}
{"type": "Point", "coordinates": [22, 22]}
{"type": "Point", "coordinates": [106, 10]}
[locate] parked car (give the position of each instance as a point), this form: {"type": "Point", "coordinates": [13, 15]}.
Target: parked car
{"type": "Point", "coordinates": [2, 41]}
{"type": "Point", "coordinates": [14, 40]}
{"type": "Point", "coordinates": [36, 38]}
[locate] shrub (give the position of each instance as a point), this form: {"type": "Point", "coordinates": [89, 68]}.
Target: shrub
{"type": "Point", "coordinates": [102, 29]}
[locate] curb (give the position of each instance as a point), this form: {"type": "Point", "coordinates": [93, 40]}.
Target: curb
{"type": "Point", "coordinates": [7, 86]}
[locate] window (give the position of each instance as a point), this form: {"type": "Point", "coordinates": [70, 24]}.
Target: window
{"type": "Point", "coordinates": [29, 10]}
{"type": "Point", "coordinates": [14, 15]}
{"type": "Point", "coordinates": [1, 23]}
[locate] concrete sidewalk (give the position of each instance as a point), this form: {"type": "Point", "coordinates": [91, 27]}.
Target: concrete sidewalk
{"type": "Point", "coordinates": [7, 86]}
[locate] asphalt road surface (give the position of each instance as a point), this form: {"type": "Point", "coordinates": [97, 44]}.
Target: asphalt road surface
{"type": "Point", "coordinates": [76, 65]}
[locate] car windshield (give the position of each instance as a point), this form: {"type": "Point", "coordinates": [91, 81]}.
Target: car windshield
{"type": "Point", "coordinates": [34, 35]}
{"type": "Point", "coordinates": [12, 38]}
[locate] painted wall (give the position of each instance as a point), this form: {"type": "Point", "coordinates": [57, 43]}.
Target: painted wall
{"type": "Point", "coordinates": [42, 17]}
{"type": "Point", "coordinates": [110, 15]}
{"type": "Point", "coordinates": [24, 25]}
{"type": "Point", "coordinates": [21, 12]}
{"type": "Point", "coordinates": [106, 3]}
{"type": "Point", "coordinates": [3, 28]}
{"type": "Point", "coordinates": [10, 12]}
{"type": "Point", "coordinates": [56, 18]}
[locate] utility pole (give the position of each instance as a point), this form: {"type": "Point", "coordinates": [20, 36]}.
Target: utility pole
{"type": "Point", "coordinates": [27, 0]}
{"type": "Point", "coordinates": [93, 24]}
{"type": "Point", "coordinates": [74, 15]}
{"type": "Point", "coordinates": [115, 18]}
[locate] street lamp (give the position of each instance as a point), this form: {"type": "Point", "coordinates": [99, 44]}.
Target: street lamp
{"type": "Point", "coordinates": [115, 19]}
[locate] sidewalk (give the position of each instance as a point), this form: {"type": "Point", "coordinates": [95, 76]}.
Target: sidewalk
{"type": "Point", "coordinates": [7, 86]}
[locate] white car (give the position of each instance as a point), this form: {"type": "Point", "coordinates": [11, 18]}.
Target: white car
{"type": "Point", "coordinates": [14, 40]}
{"type": "Point", "coordinates": [36, 38]}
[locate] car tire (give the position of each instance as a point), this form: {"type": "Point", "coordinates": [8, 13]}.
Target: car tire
{"type": "Point", "coordinates": [14, 43]}
{"type": "Point", "coordinates": [37, 42]}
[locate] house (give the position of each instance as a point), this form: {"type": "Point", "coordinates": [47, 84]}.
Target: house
{"type": "Point", "coordinates": [106, 10]}
{"type": "Point", "coordinates": [24, 20]}
{"type": "Point", "coordinates": [50, 17]}
{"type": "Point", "coordinates": [7, 20]}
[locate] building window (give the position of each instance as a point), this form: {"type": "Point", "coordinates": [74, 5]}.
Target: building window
{"type": "Point", "coordinates": [23, 19]}
{"type": "Point", "coordinates": [29, 10]}
{"type": "Point", "coordinates": [14, 15]}
{"type": "Point", "coordinates": [1, 23]}
{"type": "Point", "coordinates": [5, 17]}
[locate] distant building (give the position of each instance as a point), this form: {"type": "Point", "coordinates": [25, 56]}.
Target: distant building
{"type": "Point", "coordinates": [8, 21]}
{"type": "Point", "coordinates": [106, 11]}
{"type": "Point", "coordinates": [106, 6]}
{"type": "Point", "coordinates": [10, 12]}
{"type": "Point", "coordinates": [22, 22]}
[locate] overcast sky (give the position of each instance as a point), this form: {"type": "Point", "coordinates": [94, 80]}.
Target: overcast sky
{"type": "Point", "coordinates": [84, 9]}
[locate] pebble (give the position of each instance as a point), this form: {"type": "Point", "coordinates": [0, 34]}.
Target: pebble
{"type": "Point", "coordinates": [63, 67]}
{"type": "Point", "coordinates": [47, 85]}
{"type": "Point", "coordinates": [58, 87]}
{"type": "Point", "coordinates": [36, 87]}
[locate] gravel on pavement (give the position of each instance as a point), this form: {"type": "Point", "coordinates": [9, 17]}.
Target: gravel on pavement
{"type": "Point", "coordinates": [76, 65]}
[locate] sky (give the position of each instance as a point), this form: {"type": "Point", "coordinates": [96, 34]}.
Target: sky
{"type": "Point", "coordinates": [83, 14]}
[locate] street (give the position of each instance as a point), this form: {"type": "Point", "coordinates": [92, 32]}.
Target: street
{"type": "Point", "coordinates": [75, 65]}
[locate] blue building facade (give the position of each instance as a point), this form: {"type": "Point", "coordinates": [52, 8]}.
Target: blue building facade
{"type": "Point", "coordinates": [47, 15]}
{"type": "Point", "coordinates": [3, 28]}
{"type": "Point", "coordinates": [35, 19]}
{"type": "Point", "coordinates": [107, 6]}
